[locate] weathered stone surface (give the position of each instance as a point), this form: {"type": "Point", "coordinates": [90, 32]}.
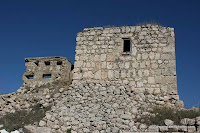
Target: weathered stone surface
{"type": "Point", "coordinates": [34, 129]}
{"type": "Point", "coordinates": [182, 128]}
{"type": "Point", "coordinates": [143, 127]}
{"type": "Point", "coordinates": [187, 121]}
{"type": "Point", "coordinates": [173, 128]}
{"type": "Point", "coordinates": [42, 123]}
{"type": "Point", "coordinates": [163, 128]}
{"type": "Point", "coordinates": [149, 62]}
{"type": "Point", "coordinates": [42, 70]}
{"type": "Point", "coordinates": [198, 120]}
{"type": "Point", "coordinates": [153, 128]}
{"type": "Point", "coordinates": [191, 129]}
{"type": "Point", "coordinates": [168, 122]}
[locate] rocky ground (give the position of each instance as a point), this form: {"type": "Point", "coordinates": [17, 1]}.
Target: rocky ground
{"type": "Point", "coordinates": [29, 104]}
{"type": "Point", "coordinates": [98, 107]}
{"type": "Point", "coordinates": [104, 107]}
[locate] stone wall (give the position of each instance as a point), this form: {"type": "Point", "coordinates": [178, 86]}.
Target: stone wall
{"type": "Point", "coordinates": [150, 63]}
{"type": "Point", "coordinates": [42, 70]}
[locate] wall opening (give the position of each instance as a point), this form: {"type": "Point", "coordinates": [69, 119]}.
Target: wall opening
{"type": "Point", "coordinates": [37, 63]}
{"type": "Point", "coordinates": [47, 63]}
{"type": "Point", "coordinates": [59, 62]}
{"type": "Point", "coordinates": [46, 76]}
{"type": "Point", "coordinates": [72, 67]}
{"type": "Point", "coordinates": [126, 45]}
{"type": "Point", "coordinates": [30, 76]}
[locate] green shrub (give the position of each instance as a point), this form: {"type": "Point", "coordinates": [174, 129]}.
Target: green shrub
{"type": "Point", "coordinates": [168, 113]}
{"type": "Point", "coordinates": [69, 130]}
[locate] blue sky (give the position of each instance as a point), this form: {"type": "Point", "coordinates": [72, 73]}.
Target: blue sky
{"type": "Point", "coordinates": [36, 28]}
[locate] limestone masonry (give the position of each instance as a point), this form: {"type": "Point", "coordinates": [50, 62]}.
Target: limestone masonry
{"type": "Point", "coordinates": [141, 56]}
{"type": "Point", "coordinates": [41, 70]}
{"type": "Point", "coordinates": [119, 75]}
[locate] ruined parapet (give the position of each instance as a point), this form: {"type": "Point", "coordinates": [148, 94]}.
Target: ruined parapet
{"type": "Point", "coordinates": [45, 81]}
{"type": "Point", "coordinates": [141, 56]}
{"type": "Point", "coordinates": [42, 70]}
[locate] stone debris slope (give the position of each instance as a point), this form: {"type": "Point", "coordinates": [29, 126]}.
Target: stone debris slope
{"type": "Point", "coordinates": [106, 107]}
{"type": "Point", "coordinates": [26, 97]}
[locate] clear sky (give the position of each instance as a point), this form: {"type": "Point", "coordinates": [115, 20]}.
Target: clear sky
{"type": "Point", "coordinates": [34, 28]}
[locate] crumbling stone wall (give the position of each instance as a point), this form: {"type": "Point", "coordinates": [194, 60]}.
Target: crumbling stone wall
{"type": "Point", "coordinates": [101, 55]}
{"type": "Point", "coordinates": [42, 70]}
{"type": "Point", "coordinates": [103, 107]}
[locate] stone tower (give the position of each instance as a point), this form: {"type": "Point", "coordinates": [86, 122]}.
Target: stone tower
{"type": "Point", "coordinates": [141, 56]}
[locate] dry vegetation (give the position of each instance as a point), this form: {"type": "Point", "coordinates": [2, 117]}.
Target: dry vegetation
{"type": "Point", "coordinates": [160, 114]}
{"type": "Point", "coordinates": [14, 121]}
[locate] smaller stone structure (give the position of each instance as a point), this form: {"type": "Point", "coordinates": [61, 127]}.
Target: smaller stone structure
{"type": "Point", "coordinates": [42, 70]}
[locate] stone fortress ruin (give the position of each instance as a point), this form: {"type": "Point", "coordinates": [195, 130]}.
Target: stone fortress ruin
{"type": "Point", "coordinates": [142, 56]}
{"type": "Point", "coordinates": [42, 70]}
{"type": "Point", "coordinates": [119, 75]}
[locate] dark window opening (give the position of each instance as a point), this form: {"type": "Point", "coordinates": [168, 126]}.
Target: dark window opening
{"type": "Point", "coordinates": [57, 57]}
{"type": "Point", "coordinates": [127, 45]}
{"type": "Point", "coordinates": [46, 76]}
{"type": "Point", "coordinates": [72, 67]}
{"type": "Point", "coordinates": [47, 63]}
{"type": "Point", "coordinates": [59, 62]}
{"type": "Point", "coordinates": [37, 63]}
{"type": "Point", "coordinates": [29, 76]}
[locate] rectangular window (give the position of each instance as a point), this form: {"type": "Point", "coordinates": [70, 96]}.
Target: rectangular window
{"type": "Point", "coordinates": [29, 76]}
{"type": "Point", "coordinates": [47, 63]}
{"type": "Point", "coordinates": [126, 45]}
{"type": "Point", "coordinates": [59, 62]}
{"type": "Point", "coordinates": [46, 76]}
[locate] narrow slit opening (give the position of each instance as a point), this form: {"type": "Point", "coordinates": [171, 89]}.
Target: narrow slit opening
{"type": "Point", "coordinates": [47, 63]}
{"type": "Point", "coordinates": [59, 62]}
{"type": "Point", "coordinates": [46, 76]}
{"type": "Point", "coordinates": [30, 76]}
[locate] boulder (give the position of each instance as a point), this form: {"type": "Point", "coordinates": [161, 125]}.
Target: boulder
{"type": "Point", "coordinates": [143, 127]}
{"type": "Point", "coordinates": [187, 121]}
{"type": "Point", "coordinates": [198, 120]}
{"type": "Point", "coordinates": [168, 122]}
{"type": "Point", "coordinates": [153, 128]}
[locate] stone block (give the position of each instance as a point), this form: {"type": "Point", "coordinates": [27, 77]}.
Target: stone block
{"type": "Point", "coordinates": [191, 129]}
{"type": "Point", "coordinates": [98, 75]}
{"type": "Point", "coordinates": [198, 120]}
{"type": "Point", "coordinates": [163, 128]}
{"type": "Point", "coordinates": [125, 116]}
{"type": "Point", "coordinates": [168, 122]}
{"type": "Point", "coordinates": [153, 128]}
{"type": "Point", "coordinates": [103, 57]}
{"type": "Point", "coordinates": [187, 121]}
{"type": "Point", "coordinates": [110, 57]}
{"type": "Point", "coordinates": [110, 74]}
{"type": "Point", "coordinates": [151, 80]}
